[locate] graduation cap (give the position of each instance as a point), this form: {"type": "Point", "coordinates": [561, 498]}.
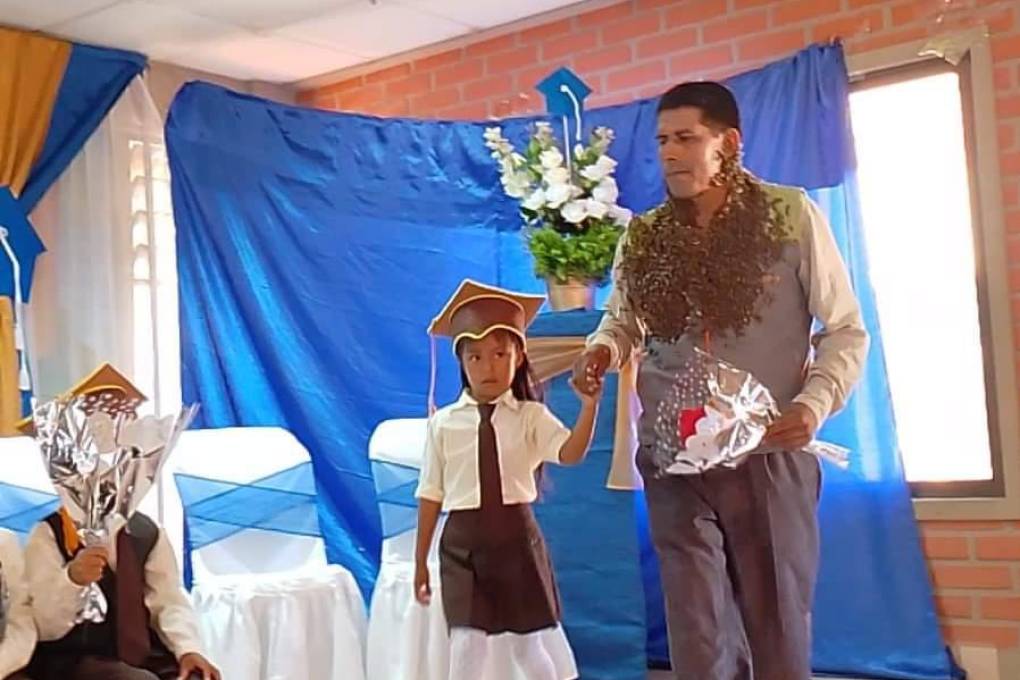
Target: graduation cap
{"type": "Point", "coordinates": [564, 93]}
{"type": "Point", "coordinates": [103, 390]}
{"type": "Point", "coordinates": [474, 311]}
{"type": "Point", "coordinates": [24, 243]}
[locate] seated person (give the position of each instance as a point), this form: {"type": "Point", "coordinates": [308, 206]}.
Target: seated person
{"type": "Point", "coordinates": [17, 629]}
{"type": "Point", "coordinates": [150, 629]}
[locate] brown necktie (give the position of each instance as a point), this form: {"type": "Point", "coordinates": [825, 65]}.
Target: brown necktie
{"type": "Point", "coordinates": [133, 644]}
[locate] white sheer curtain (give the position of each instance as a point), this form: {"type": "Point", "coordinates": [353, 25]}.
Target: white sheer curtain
{"type": "Point", "coordinates": [106, 289]}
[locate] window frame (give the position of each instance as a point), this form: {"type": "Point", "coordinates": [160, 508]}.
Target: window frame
{"type": "Point", "coordinates": [969, 54]}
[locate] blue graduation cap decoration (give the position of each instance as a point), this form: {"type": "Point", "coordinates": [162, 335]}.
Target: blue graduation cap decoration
{"type": "Point", "coordinates": [564, 93]}
{"type": "Point", "coordinates": [19, 247]}
{"type": "Point", "coordinates": [24, 243]}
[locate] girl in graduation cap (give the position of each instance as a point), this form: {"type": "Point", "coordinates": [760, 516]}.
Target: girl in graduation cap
{"type": "Point", "coordinates": [480, 466]}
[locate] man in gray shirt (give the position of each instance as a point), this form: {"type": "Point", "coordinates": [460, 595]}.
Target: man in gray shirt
{"type": "Point", "coordinates": [742, 269]}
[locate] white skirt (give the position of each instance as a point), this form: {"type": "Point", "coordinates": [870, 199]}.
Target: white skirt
{"type": "Point", "coordinates": [542, 655]}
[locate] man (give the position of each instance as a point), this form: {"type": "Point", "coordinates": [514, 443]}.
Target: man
{"type": "Point", "coordinates": [17, 629]}
{"type": "Point", "coordinates": [150, 631]}
{"type": "Point", "coordinates": [739, 268]}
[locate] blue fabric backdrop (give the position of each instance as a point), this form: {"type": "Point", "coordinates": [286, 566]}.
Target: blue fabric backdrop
{"type": "Point", "coordinates": [314, 247]}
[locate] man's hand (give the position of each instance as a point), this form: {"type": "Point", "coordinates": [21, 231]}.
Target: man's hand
{"type": "Point", "coordinates": [590, 369]}
{"type": "Point", "coordinates": [793, 430]}
{"type": "Point", "coordinates": [87, 566]}
{"type": "Point", "coordinates": [196, 665]}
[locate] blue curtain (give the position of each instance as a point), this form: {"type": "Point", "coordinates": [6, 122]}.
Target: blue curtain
{"type": "Point", "coordinates": [314, 247]}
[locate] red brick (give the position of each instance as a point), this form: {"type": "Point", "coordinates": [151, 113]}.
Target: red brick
{"type": "Point", "coordinates": [667, 43]}
{"type": "Point", "coordinates": [511, 59]}
{"type": "Point", "coordinates": [571, 44]}
{"type": "Point", "coordinates": [472, 111]}
{"type": "Point", "coordinates": [612, 99]}
{"type": "Point", "coordinates": [391, 73]}
{"type": "Point", "coordinates": [602, 16]}
{"type": "Point", "coordinates": [634, 27]}
{"type": "Point", "coordinates": [434, 101]}
{"type": "Point", "coordinates": [914, 10]}
{"type": "Point", "coordinates": [419, 83]}
{"type": "Point", "coordinates": [695, 12]}
{"type": "Point", "coordinates": [642, 5]}
{"type": "Point", "coordinates": [857, 4]}
{"type": "Point", "coordinates": [1001, 22]}
{"type": "Point", "coordinates": [739, 5]}
{"type": "Point", "coordinates": [1011, 199]}
{"type": "Point", "coordinates": [848, 27]}
{"type": "Point", "coordinates": [954, 607]}
{"type": "Point", "coordinates": [888, 39]}
{"type": "Point", "coordinates": [495, 86]}
{"type": "Point", "coordinates": [947, 525]}
{"type": "Point", "coordinates": [438, 60]}
{"type": "Point", "coordinates": [601, 60]}
{"type": "Point", "coordinates": [357, 99]}
{"type": "Point", "coordinates": [1014, 280]}
{"type": "Point", "coordinates": [527, 79]}
{"type": "Point", "coordinates": [491, 46]}
{"type": "Point", "coordinates": [343, 86]}
{"type": "Point", "coordinates": [945, 547]}
{"type": "Point", "coordinates": [998, 547]}
{"type": "Point", "coordinates": [688, 63]}
{"type": "Point", "coordinates": [327, 102]}
{"type": "Point", "coordinates": [1003, 78]}
{"type": "Point", "coordinates": [546, 31]}
{"type": "Point", "coordinates": [1007, 132]}
{"type": "Point", "coordinates": [1000, 608]}
{"type": "Point", "coordinates": [960, 576]}
{"type": "Point", "coordinates": [472, 69]}
{"type": "Point", "coordinates": [636, 76]}
{"type": "Point", "coordinates": [1008, 107]}
{"type": "Point", "coordinates": [1010, 163]}
{"type": "Point", "coordinates": [1005, 47]}
{"type": "Point", "coordinates": [653, 90]}
{"type": "Point", "coordinates": [991, 636]}
{"type": "Point", "coordinates": [771, 45]}
{"type": "Point", "coordinates": [390, 108]}
{"type": "Point", "coordinates": [796, 11]}
{"type": "Point", "coordinates": [735, 27]}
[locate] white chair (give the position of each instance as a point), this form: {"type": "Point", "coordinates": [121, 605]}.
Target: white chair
{"type": "Point", "coordinates": [406, 641]}
{"type": "Point", "coordinates": [270, 608]}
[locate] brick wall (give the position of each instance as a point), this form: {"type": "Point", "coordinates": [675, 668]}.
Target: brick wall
{"type": "Point", "coordinates": [637, 49]}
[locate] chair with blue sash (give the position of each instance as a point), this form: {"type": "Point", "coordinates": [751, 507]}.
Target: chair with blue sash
{"type": "Point", "coordinates": [246, 518]}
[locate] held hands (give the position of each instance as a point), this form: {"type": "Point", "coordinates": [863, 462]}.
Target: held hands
{"type": "Point", "coordinates": [589, 373]}
{"type": "Point", "coordinates": [422, 585]}
{"type": "Point", "coordinates": [87, 566]}
{"type": "Point", "coordinates": [793, 430]}
{"type": "Point", "coordinates": [196, 666]}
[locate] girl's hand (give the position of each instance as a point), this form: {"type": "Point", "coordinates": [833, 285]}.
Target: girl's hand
{"type": "Point", "coordinates": [590, 396]}
{"type": "Point", "coordinates": [422, 587]}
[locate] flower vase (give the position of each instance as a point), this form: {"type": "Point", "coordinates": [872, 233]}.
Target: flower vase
{"type": "Point", "coordinates": [570, 294]}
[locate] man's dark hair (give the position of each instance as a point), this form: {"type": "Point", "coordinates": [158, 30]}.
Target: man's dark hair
{"type": "Point", "coordinates": [717, 104]}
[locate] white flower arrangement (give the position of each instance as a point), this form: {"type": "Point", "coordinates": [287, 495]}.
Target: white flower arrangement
{"type": "Point", "coordinates": [569, 204]}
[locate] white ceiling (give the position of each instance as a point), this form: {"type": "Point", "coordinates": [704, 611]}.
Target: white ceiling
{"type": "Point", "coordinates": [272, 40]}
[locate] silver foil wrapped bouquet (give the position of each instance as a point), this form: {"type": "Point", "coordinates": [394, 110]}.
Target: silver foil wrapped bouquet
{"type": "Point", "coordinates": [102, 460]}
{"type": "Point", "coordinates": [715, 415]}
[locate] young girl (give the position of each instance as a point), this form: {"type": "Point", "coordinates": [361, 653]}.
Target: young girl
{"type": "Point", "coordinates": [480, 463]}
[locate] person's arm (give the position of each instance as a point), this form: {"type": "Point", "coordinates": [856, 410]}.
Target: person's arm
{"type": "Point", "coordinates": [841, 346]}
{"type": "Point", "coordinates": [576, 447]}
{"type": "Point", "coordinates": [56, 597]}
{"type": "Point", "coordinates": [430, 503]}
{"type": "Point", "coordinates": [20, 635]}
{"type": "Point", "coordinates": [619, 329]}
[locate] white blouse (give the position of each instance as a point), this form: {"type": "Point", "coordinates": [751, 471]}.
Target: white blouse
{"type": "Point", "coordinates": [18, 641]}
{"type": "Point", "coordinates": [527, 435]}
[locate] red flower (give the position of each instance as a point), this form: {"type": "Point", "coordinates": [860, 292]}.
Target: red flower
{"type": "Point", "coordinates": [688, 421]}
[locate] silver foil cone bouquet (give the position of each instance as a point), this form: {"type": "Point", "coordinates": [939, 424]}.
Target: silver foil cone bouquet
{"type": "Point", "coordinates": [715, 415]}
{"type": "Point", "coordinates": [102, 460]}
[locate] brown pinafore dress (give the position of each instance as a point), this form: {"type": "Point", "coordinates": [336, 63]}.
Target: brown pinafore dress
{"type": "Point", "coordinates": [494, 566]}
